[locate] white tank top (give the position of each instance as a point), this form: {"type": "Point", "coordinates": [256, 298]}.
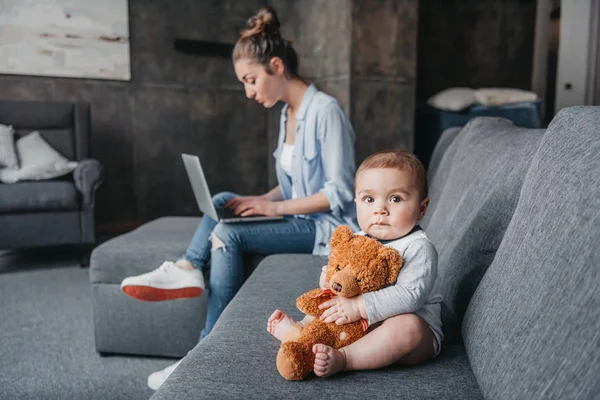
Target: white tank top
{"type": "Point", "coordinates": [286, 163]}
{"type": "Point", "coordinates": [286, 158]}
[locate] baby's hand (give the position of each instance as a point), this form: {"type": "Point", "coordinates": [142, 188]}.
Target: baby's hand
{"type": "Point", "coordinates": [323, 283]}
{"type": "Point", "coordinates": [342, 310]}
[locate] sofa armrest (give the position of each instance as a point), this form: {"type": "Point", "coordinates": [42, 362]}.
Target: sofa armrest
{"type": "Point", "coordinates": [88, 177]}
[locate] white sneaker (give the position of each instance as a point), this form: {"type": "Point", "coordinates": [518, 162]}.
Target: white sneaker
{"type": "Point", "coordinates": [156, 379]}
{"type": "Point", "coordinates": [166, 282]}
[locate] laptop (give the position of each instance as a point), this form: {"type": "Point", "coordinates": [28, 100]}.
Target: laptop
{"type": "Point", "coordinates": [204, 198]}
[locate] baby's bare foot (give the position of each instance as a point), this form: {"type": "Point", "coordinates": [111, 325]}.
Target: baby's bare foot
{"type": "Point", "coordinates": [328, 361]}
{"type": "Point", "coordinates": [279, 323]}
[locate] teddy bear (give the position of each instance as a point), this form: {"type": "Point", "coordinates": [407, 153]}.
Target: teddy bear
{"type": "Point", "coordinates": [357, 264]}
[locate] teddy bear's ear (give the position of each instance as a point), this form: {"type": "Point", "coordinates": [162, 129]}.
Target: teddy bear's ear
{"type": "Point", "coordinates": [342, 234]}
{"type": "Point", "coordinates": [394, 262]}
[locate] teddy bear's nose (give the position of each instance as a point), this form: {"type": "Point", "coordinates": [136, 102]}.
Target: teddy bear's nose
{"type": "Point", "coordinates": [336, 287]}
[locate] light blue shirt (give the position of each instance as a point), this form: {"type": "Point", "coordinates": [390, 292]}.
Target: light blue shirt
{"type": "Point", "coordinates": [322, 161]}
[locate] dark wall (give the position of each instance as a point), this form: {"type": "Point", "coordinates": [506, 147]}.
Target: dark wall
{"type": "Point", "coordinates": [384, 70]}
{"type": "Point", "coordinates": [174, 103]}
{"type": "Point", "coordinates": [363, 52]}
{"type": "Point", "coordinates": [474, 43]}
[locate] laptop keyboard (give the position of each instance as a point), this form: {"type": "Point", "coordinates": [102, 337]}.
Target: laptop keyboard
{"type": "Point", "coordinates": [227, 213]}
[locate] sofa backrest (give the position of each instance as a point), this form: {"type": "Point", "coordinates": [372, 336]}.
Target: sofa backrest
{"type": "Point", "coordinates": [64, 125]}
{"type": "Point", "coordinates": [473, 196]}
{"type": "Point", "coordinates": [434, 173]}
{"type": "Point", "coordinates": [532, 329]}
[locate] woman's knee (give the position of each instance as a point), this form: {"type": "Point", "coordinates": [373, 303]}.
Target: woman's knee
{"type": "Point", "coordinates": [223, 236]}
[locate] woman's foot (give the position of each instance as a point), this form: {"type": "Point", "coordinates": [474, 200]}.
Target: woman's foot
{"type": "Point", "coordinates": [156, 379]}
{"type": "Point", "coordinates": [167, 282]}
{"type": "Point", "coordinates": [328, 361]}
{"type": "Point", "coordinates": [279, 324]}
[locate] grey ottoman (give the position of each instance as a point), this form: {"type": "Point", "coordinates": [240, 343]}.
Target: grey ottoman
{"type": "Point", "coordinates": [125, 325]}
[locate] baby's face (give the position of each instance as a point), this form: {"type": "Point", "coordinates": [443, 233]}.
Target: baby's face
{"type": "Point", "coordinates": [388, 203]}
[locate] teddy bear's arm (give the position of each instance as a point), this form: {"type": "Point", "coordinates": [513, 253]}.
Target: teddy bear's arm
{"type": "Point", "coordinates": [309, 302]}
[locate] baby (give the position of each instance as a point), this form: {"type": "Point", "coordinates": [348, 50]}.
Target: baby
{"type": "Point", "coordinates": [391, 196]}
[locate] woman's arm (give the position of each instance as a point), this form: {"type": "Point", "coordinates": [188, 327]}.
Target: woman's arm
{"type": "Point", "coordinates": [337, 154]}
{"type": "Point", "coordinates": [273, 194]}
{"type": "Point", "coordinates": [307, 205]}
{"type": "Point", "coordinates": [336, 139]}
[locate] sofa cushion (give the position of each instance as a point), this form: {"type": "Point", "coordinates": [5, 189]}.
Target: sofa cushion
{"type": "Point", "coordinates": [453, 99]}
{"type": "Point", "coordinates": [435, 175]}
{"type": "Point", "coordinates": [62, 140]}
{"type": "Point", "coordinates": [482, 170]}
{"type": "Point", "coordinates": [237, 359]}
{"type": "Point", "coordinates": [38, 161]}
{"type": "Point", "coordinates": [8, 153]}
{"type": "Point", "coordinates": [531, 330]}
{"type": "Point", "coordinates": [501, 96]}
{"type": "Point", "coordinates": [26, 197]}
{"type": "Point", "coordinates": [142, 249]}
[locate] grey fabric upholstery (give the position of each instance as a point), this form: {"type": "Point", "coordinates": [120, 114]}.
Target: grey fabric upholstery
{"type": "Point", "coordinates": [24, 209]}
{"type": "Point", "coordinates": [123, 325]}
{"type": "Point", "coordinates": [439, 167]}
{"type": "Point", "coordinates": [237, 360]}
{"type": "Point", "coordinates": [50, 228]}
{"type": "Point", "coordinates": [484, 169]}
{"type": "Point", "coordinates": [127, 326]}
{"type": "Point", "coordinates": [88, 177]}
{"type": "Point", "coordinates": [138, 327]}
{"type": "Point", "coordinates": [531, 329]}
{"type": "Point", "coordinates": [142, 249]}
{"type": "Point", "coordinates": [63, 124]}
{"type": "Point", "coordinates": [446, 139]}
{"type": "Point", "coordinates": [23, 197]}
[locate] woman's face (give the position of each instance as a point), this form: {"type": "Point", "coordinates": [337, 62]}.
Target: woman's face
{"type": "Point", "coordinates": [265, 88]}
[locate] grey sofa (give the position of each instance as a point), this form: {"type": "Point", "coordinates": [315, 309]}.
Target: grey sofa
{"type": "Point", "coordinates": [59, 211]}
{"type": "Point", "coordinates": [515, 215]}
{"type": "Point", "coordinates": [169, 328]}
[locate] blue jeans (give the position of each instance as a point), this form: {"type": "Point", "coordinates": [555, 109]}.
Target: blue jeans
{"type": "Point", "coordinates": [291, 235]}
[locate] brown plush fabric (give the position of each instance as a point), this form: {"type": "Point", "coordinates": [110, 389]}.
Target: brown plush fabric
{"type": "Point", "coordinates": [357, 265]}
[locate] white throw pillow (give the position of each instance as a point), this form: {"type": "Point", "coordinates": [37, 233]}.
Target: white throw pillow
{"type": "Point", "coordinates": [454, 99]}
{"type": "Point", "coordinates": [38, 161]}
{"type": "Point", "coordinates": [500, 96]}
{"type": "Point", "coordinates": [8, 156]}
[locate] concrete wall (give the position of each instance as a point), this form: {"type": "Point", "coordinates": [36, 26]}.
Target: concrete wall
{"type": "Point", "coordinates": [363, 52]}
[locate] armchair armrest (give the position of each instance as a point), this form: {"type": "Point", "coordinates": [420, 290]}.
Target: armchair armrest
{"type": "Point", "coordinates": [88, 177]}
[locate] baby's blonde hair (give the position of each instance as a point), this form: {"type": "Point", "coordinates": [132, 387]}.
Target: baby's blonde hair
{"type": "Point", "coordinates": [400, 160]}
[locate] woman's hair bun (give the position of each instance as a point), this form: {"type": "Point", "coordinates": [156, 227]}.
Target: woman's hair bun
{"type": "Point", "coordinates": [265, 22]}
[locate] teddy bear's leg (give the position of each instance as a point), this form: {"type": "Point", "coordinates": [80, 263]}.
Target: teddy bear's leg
{"type": "Point", "coordinates": [295, 360]}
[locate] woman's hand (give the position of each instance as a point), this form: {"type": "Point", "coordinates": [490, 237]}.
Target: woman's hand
{"type": "Point", "coordinates": [323, 282]}
{"type": "Point", "coordinates": [257, 206]}
{"type": "Point", "coordinates": [342, 310]}
{"type": "Point", "coordinates": [236, 202]}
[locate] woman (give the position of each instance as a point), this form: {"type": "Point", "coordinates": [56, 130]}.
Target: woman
{"type": "Point", "coordinates": [315, 170]}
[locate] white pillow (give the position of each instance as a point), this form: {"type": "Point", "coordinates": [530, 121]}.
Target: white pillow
{"type": "Point", "coordinates": [38, 161]}
{"type": "Point", "coordinates": [8, 156]}
{"type": "Point", "coordinates": [454, 99]}
{"type": "Point", "coordinates": [500, 96]}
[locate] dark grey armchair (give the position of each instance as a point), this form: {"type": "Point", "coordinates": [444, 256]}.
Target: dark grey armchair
{"type": "Point", "coordinates": [59, 211]}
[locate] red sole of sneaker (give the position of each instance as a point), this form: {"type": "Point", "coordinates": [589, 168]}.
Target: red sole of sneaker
{"type": "Point", "coordinates": [146, 293]}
